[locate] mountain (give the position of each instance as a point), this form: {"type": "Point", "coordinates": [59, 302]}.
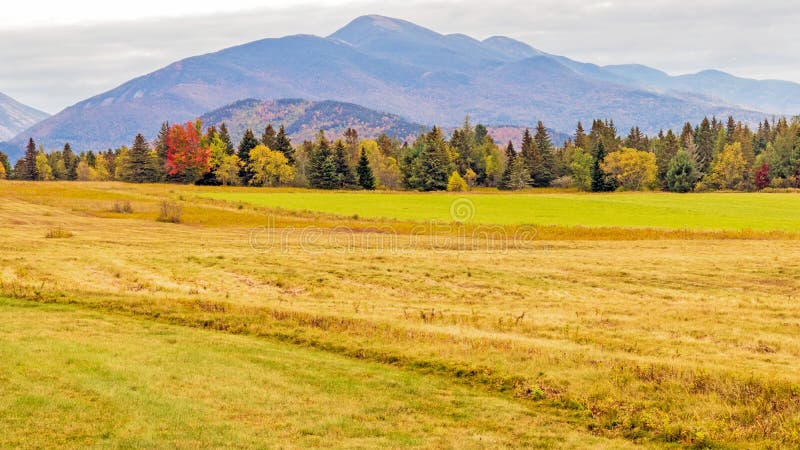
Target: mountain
{"type": "Point", "coordinates": [772, 96]}
{"type": "Point", "coordinates": [304, 118]}
{"type": "Point", "coordinates": [16, 117]}
{"type": "Point", "coordinates": [388, 65]}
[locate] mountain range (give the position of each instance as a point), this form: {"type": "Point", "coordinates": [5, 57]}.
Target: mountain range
{"type": "Point", "coordinates": [16, 117]}
{"type": "Point", "coordinates": [425, 77]}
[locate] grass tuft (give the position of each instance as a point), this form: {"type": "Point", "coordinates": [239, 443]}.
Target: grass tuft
{"type": "Point", "coordinates": [170, 212]}
{"type": "Point", "coordinates": [58, 233]}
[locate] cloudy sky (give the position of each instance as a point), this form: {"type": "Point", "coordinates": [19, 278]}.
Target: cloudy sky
{"type": "Point", "coordinates": [56, 53]}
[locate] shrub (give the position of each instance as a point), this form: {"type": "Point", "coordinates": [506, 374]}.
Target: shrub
{"type": "Point", "coordinates": [456, 183]}
{"type": "Point", "coordinates": [562, 182]}
{"type": "Point", "coordinates": [122, 207]}
{"type": "Point", "coordinates": [171, 212]}
{"type": "Point", "coordinates": [58, 233]}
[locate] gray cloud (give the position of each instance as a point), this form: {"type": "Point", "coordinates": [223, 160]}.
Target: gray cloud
{"type": "Point", "coordinates": [53, 67]}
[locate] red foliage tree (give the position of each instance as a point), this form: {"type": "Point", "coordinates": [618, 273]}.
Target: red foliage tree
{"type": "Point", "coordinates": [185, 152]}
{"type": "Point", "coordinates": [762, 177]}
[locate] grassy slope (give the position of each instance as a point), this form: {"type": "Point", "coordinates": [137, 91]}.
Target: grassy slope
{"type": "Point", "coordinates": [713, 211]}
{"type": "Point", "coordinates": [72, 378]}
{"type": "Point", "coordinates": [672, 340]}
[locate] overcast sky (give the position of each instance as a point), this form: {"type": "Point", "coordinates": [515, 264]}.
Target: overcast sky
{"type": "Point", "coordinates": [56, 53]}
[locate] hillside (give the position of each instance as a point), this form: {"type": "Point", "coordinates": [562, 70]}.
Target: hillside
{"type": "Point", "coordinates": [303, 118]}
{"type": "Point", "coordinates": [16, 117]}
{"type": "Point", "coordinates": [388, 65]}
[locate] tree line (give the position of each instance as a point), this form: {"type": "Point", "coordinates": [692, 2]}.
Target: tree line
{"type": "Point", "coordinates": [712, 155]}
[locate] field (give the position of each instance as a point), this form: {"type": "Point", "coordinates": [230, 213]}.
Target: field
{"type": "Point", "coordinates": [266, 319]}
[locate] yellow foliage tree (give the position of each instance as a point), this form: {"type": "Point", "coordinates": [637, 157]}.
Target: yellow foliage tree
{"type": "Point", "coordinates": [269, 167]}
{"type": "Point", "coordinates": [632, 169]}
{"type": "Point", "coordinates": [456, 183]}
{"type": "Point", "coordinates": [729, 169]}
{"type": "Point", "coordinates": [43, 170]}
{"type": "Point", "coordinates": [3, 174]}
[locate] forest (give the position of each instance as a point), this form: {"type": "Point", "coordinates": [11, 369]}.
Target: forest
{"type": "Point", "coordinates": [712, 155]}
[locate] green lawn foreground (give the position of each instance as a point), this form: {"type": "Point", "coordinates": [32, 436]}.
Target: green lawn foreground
{"type": "Point", "coordinates": [699, 211]}
{"type": "Point", "coordinates": [74, 378]}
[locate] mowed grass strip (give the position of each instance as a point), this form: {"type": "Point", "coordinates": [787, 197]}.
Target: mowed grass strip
{"type": "Point", "coordinates": [75, 379]}
{"type": "Point", "coordinates": [704, 211]}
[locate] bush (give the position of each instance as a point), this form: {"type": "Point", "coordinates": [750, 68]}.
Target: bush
{"type": "Point", "coordinates": [122, 207]}
{"type": "Point", "coordinates": [171, 212]}
{"type": "Point", "coordinates": [562, 182]}
{"type": "Point", "coordinates": [456, 183]}
{"type": "Point", "coordinates": [58, 233]}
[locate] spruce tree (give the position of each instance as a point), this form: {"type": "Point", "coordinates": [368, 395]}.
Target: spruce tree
{"type": "Point", "coordinates": [527, 151]}
{"type": "Point", "coordinates": [600, 180]}
{"type": "Point", "coordinates": [580, 137]}
{"type": "Point", "coordinates": [284, 145]}
{"type": "Point", "coordinates": [322, 167]}
{"type": "Point", "coordinates": [542, 161]}
{"type": "Point", "coordinates": [268, 137]}
{"type": "Point", "coordinates": [435, 163]}
{"type": "Point", "coordinates": [70, 162]}
{"type": "Point", "coordinates": [247, 143]}
{"type": "Point", "coordinates": [681, 174]}
{"type": "Point", "coordinates": [226, 138]}
{"type": "Point", "coordinates": [28, 171]}
{"type": "Point", "coordinates": [365, 177]}
{"type": "Point", "coordinates": [505, 178]}
{"type": "Point", "coordinates": [139, 166]}
{"type": "Point", "coordinates": [704, 141]}
{"type": "Point", "coordinates": [161, 149]}
{"type": "Point", "coordinates": [344, 173]}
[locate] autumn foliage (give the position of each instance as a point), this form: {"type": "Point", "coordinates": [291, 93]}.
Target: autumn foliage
{"type": "Point", "coordinates": [185, 150]}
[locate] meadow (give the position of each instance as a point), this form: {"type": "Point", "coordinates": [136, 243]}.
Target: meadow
{"type": "Point", "coordinates": [701, 211]}
{"type": "Point", "coordinates": [153, 334]}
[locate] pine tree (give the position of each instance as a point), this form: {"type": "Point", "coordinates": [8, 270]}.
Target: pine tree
{"type": "Point", "coordinates": [139, 167]}
{"type": "Point", "coordinates": [730, 129]}
{"type": "Point", "coordinates": [667, 150]}
{"type": "Point", "coordinates": [527, 150]}
{"type": "Point", "coordinates": [161, 148]}
{"type": "Point", "coordinates": [247, 143]}
{"type": "Point", "coordinates": [268, 137]}
{"type": "Point", "coordinates": [28, 171]}
{"type": "Point", "coordinates": [366, 179]}
{"type": "Point", "coordinates": [283, 144]}
{"type": "Point", "coordinates": [601, 182]}
{"type": "Point", "coordinates": [226, 138]}
{"type": "Point", "coordinates": [344, 173]}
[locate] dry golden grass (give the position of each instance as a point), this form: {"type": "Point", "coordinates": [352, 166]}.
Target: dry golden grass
{"type": "Point", "coordinates": [685, 338]}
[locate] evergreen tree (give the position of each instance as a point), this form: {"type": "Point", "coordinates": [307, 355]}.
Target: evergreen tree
{"type": "Point", "coordinates": [343, 171]}
{"type": "Point", "coordinates": [601, 182]}
{"type": "Point", "coordinates": [527, 150]}
{"type": "Point", "coordinates": [351, 144]}
{"type": "Point", "coordinates": [681, 174]}
{"type": "Point", "coordinates": [480, 133]}
{"type": "Point", "coordinates": [70, 162]}
{"type": "Point", "coordinates": [505, 179]}
{"type": "Point", "coordinates": [520, 176]}
{"type": "Point", "coordinates": [704, 140]}
{"type": "Point", "coordinates": [226, 138]}
{"type": "Point", "coordinates": [268, 137]}
{"type": "Point", "coordinates": [139, 167]}
{"type": "Point", "coordinates": [366, 179]}
{"type": "Point", "coordinates": [161, 149]}
{"type": "Point", "coordinates": [247, 143]}
{"type": "Point", "coordinates": [28, 167]}
{"type": "Point", "coordinates": [283, 144]}
{"type": "Point", "coordinates": [435, 163]}
{"type": "Point", "coordinates": [542, 161]}
{"type": "Point", "coordinates": [580, 137]}
{"type": "Point", "coordinates": [322, 167]}
{"type": "Point", "coordinates": [667, 150]}
{"type": "Point", "coordinates": [730, 129]}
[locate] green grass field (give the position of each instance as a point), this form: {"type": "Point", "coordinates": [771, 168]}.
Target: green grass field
{"type": "Point", "coordinates": [712, 211]}
{"type": "Point", "coordinates": [121, 331]}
